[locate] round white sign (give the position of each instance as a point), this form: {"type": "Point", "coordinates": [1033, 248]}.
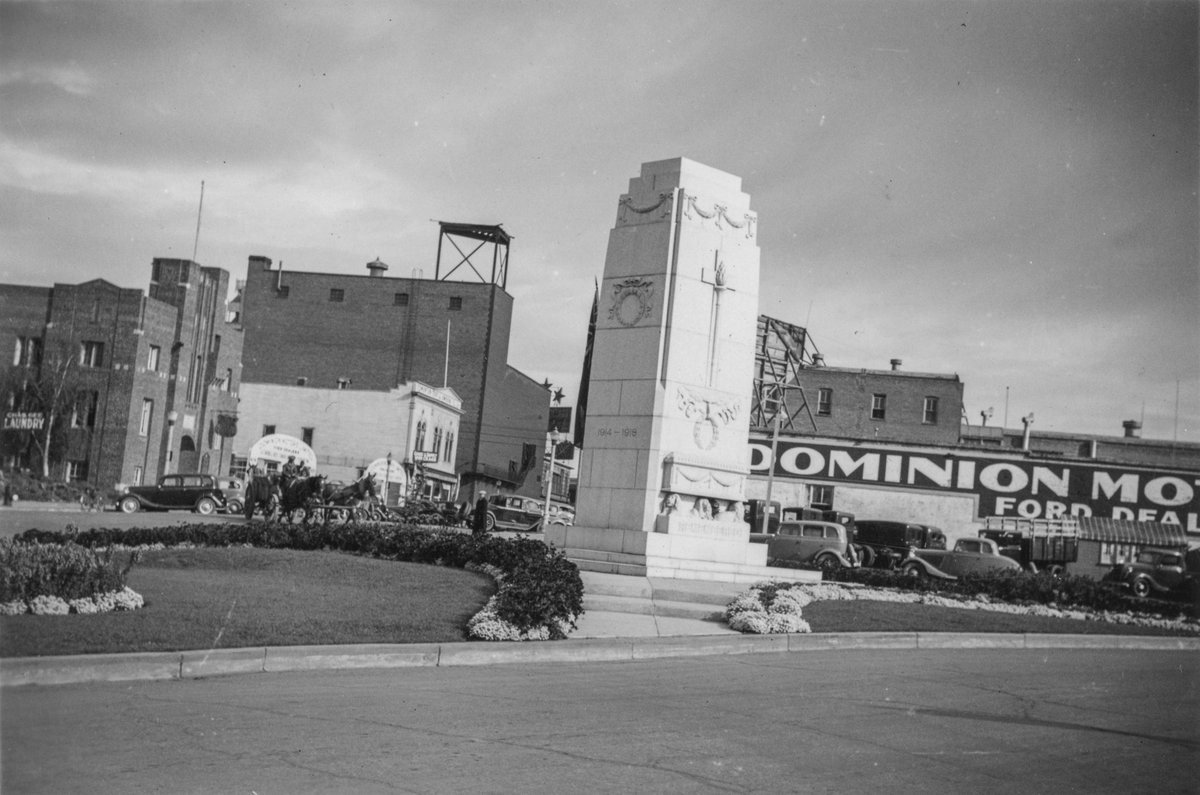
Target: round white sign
{"type": "Point", "coordinates": [393, 475]}
{"type": "Point", "coordinates": [278, 447]}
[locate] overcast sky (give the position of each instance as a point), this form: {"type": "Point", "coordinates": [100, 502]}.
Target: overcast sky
{"type": "Point", "coordinates": [1006, 190]}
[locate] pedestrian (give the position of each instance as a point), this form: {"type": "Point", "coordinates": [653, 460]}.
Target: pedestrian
{"type": "Point", "coordinates": [479, 519]}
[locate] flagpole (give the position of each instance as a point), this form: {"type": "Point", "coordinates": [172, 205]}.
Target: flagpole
{"type": "Point", "coordinates": [199, 214]}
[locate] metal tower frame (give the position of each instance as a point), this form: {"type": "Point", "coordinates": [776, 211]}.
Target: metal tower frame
{"type": "Point", "coordinates": [782, 350]}
{"type": "Point", "coordinates": [484, 235]}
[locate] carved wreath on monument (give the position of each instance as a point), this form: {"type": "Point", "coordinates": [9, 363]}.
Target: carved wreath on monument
{"type": "Point", "coordinates": [633, 300]}
{"type": "Point", "coordinates": [709, 415]}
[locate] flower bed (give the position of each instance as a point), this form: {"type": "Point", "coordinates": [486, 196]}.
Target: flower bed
{"type": "Point", "coordinates": [540, 594]}
{"type": "Point", "coordinates": [61, 578]}
{"type": "Point", "coordinates": [775, 607]}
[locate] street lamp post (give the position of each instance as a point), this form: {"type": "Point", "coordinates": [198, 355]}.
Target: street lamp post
{"type": "Point", "coordinates": [172, 418]}
{"type": "Point", "coordinates": [554, 438]}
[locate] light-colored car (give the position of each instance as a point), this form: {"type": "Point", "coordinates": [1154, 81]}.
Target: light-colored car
{"type": "Point", "coordinates": [234, 490]}
{"type": "Point", "coordinates": [822, 543]}
{"type": "Point", "coordinates": [969, 556]}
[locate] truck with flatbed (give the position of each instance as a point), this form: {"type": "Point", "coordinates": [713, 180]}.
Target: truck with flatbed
{"type": "Point", "coordinates": [1037, 544]}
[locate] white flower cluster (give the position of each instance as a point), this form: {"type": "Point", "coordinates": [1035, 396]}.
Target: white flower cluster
{"type": "Point", "coordinates": [488, 625]}
{"type": "Point", "coordinates": [124, 599]}
{"type": "Point", "coordinates": [745, 613]}
{"type": "Point", "coordinates": [748, 613]}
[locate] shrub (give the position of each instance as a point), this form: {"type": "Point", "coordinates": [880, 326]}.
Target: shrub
{"type": "Point", "coordinates": [66, 571]}
{"type": "Point", "coordinates": [539, 587]}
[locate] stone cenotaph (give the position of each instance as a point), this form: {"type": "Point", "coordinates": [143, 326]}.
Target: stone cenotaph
{"type": "Point", "coordinates": [665, 455]}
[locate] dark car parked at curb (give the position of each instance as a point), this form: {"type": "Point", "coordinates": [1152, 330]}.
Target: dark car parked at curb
{"type": "Point", "coordinates": [512, 512]}
{"type": "Point", "coordinates": [884, 544]}
{"type": "Point", "coordinates": [1160, 572]}
{"type": "Point", "coordinates": [199, 493]}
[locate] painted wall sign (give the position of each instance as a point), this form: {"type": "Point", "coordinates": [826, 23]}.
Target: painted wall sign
{"type": "Point", "coordinates": [1005, 487]}
{"type": "Point", "coordinates": [278, 446]}
{"type": "Point", "coordinates": [24, 421]}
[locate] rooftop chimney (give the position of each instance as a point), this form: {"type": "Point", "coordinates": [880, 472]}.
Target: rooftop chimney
{"type": "Point", "coordinates": [896, 363]}
{"type": "Point", "coordinates": [1028, 421]}
{"type": "Point", "coordinates": [377, 267]}
{"type": "Point", "coordinates": [1133, 429]}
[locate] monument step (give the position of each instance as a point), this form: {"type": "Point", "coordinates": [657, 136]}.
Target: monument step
{"type": "Point", "coordinates": [653, 607]}
{"type": "Point", "coordinates": [609, 567]}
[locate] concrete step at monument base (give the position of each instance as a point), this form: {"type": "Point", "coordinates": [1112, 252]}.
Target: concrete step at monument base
{"type": "Point", "coordinates": [605, 603]}
{"type": "Point", "coordinates": [609, 562]}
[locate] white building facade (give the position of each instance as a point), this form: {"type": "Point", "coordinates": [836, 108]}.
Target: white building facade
{"type": "Point", "coordinates": [415, 425]}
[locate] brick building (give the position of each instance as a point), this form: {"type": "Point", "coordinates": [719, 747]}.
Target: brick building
{"type": "Point", "coordinates": [373, 332]}
{"type": "Point", "coordinates": [148, 382]}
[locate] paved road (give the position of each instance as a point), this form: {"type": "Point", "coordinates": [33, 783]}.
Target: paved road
{"type": "Point", "coordinates": [844, 721]}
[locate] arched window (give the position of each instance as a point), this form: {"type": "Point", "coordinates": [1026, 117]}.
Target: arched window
{"type": "Point", "coordinates": [419, 442]}
{"type": "Point", "coordinates": [437, 442]}
{"type": "Point", "coordinates": [449, 446]}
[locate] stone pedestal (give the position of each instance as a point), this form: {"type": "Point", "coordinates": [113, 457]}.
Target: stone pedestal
{"type": "Point", "coordinates": [664, 459]}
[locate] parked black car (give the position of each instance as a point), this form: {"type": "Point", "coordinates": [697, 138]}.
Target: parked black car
{"type": "Point", "coordinates": [199, 493]}
{"type": "Point", "coordinates": [1160, 572]}
{"type": "Point", "coordinates": [884, 544]}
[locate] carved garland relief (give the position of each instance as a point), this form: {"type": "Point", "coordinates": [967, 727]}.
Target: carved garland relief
{"type": "Point", "coordinates": [632, 301]}
{"type": "Point", "coordinates": [709, 415]}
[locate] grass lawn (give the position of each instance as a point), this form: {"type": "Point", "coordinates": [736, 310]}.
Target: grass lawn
{"type": "Point", "coordinates": [867, 616]}
{"type": "Point", "coordinates": [226, 598]}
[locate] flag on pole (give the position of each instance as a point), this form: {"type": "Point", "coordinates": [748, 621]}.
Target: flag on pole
{"type": "Point", "coordinates": [581, 402]}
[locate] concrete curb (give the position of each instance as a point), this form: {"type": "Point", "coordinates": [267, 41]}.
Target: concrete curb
{"type": "Point", "coordinates": [275, 659]}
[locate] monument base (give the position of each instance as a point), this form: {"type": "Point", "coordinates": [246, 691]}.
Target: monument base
{"type": "Point", "coordinates": [670, 554]}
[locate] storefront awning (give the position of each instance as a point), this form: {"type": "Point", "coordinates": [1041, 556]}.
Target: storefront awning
{"type": "Point", "coordinates": [1125, 531]}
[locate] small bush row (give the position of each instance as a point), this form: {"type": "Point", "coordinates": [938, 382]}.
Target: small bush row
{"type": "Point", "coordinates": [64, 570]}
{"type": "Point", "coordinates": [1015, 587]}
{"type": "Point", "coordinates": [539, 586]}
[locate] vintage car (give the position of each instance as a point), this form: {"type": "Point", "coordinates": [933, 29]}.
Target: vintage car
{"type": "Point", "coordinates": [562, 515]}
{"type": "Point", "coordinates": [199, 493]}
{"type": "Point", "coordinates": [234, 490]}
{"type": "Point", "coordinates": [823, 543]}
{"type": "Point", "coordinates": [884, 544]}
{"type": "Point", "coordinates": [512, 512]}
{"type": "Point", "coordinates": [969, 556]}
{"type": "Point", "coordinates": [1161, 572]}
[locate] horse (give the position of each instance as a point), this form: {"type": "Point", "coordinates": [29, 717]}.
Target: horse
{"type": "Point", "coordinates": [349, 496]}
{"type": "Point", "coordinates": [302, 494]}
{"type": "Point", "coordinates": [262, 492]}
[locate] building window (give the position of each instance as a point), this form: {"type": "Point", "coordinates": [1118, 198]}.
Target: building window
{"type": "Point", "coordinates": [152, 359]}
{"type": "Point", "coordinates": [337, 294]}
{"type": "Point", "coordinates": [156, 272]}
{"type": "Point", "coordinates": [183, 274]}
{"type": "Point", "coordinates": [91, 354]}
{"type": "Point", "coordinates": [227, 381]}
{"type": "Point", "coordinates": [400, 299]}
{"type": "Point", "coordinates": [820, 497]}
{"type": "Point", "coordinates": [344, 383]}
{"type": "Point", "coordinates": [28, 352]}
{"type": "Point", "coordinates": [449, 446]}
{"type": "Point", "coordinates": [306, 436]}
{"type": "Point", "coordinates": [238, 466]}
{"type": "Point", "coordinates": [455, 302]}
{"type": "Point", "coordinates": [138, 474]}
{"type": "Point", "coordinates": [419, 442]}
{"type": "Point", "coordinates": [268, 430]}
{"type": "Point", "coordinates": [77, 471]}
{"type": "Point", "coordinates": [929, 412]}
{"type": "Point", "coordinates": [878, 406]}
{"type": "Point", "coordinates": [824, 402]}
{"type": "Point", "coordinates": [84, 415]}
{"type": "Point", "coordinates": [283, 292]}
{"type": "Point", "coordinates": [147, 416]}
{"type": "Point", "coordinates": [437, 442]}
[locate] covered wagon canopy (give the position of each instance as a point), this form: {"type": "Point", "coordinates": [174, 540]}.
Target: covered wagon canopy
{"type": "Point", "coordinates": [1126, 531]}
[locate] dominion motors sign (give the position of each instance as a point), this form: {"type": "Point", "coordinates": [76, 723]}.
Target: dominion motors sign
{"type": "Point", "coordinates": [1005, 487]}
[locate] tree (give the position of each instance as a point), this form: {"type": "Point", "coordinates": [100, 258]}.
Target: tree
{"type": "Point", "coordinates": [48, 387]}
